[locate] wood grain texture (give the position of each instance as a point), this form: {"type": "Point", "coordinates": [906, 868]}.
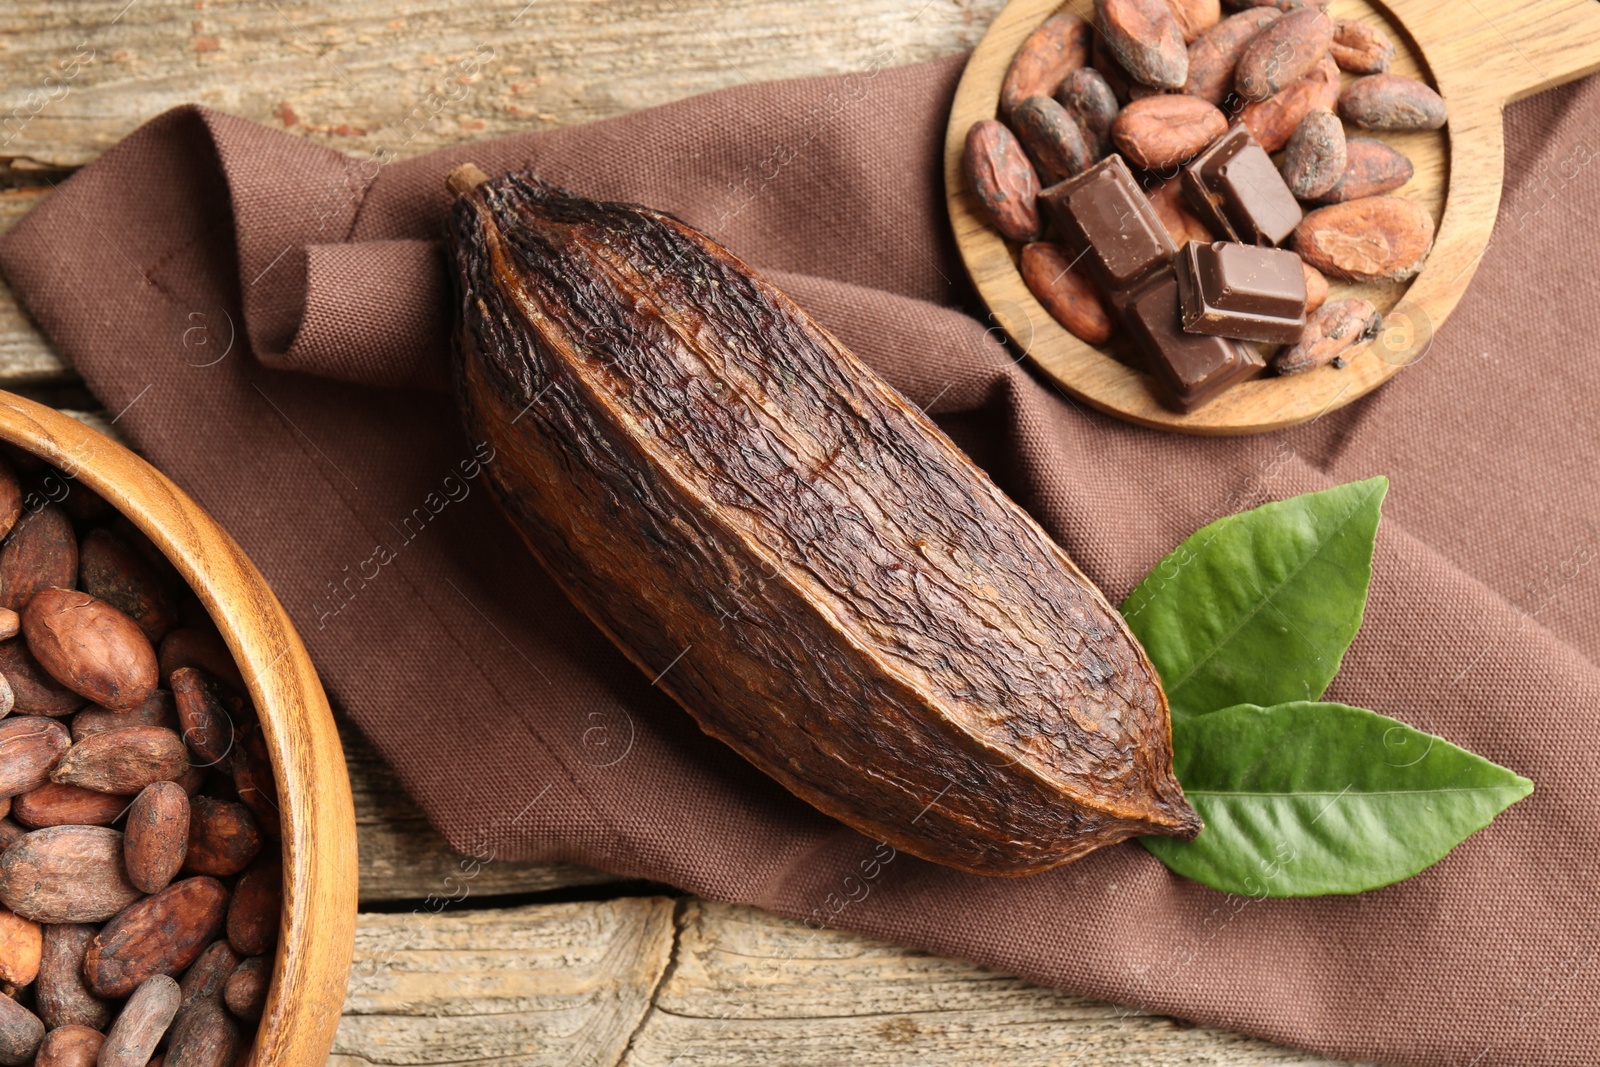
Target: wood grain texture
{"type": "Point", "coordinates": [26, 357]}
{"type": "Point", "coordinates": [1479, 56]}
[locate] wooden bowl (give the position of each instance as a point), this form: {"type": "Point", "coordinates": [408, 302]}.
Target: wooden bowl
{"type": "Point", "coordinates": [1479, 55]}
{"type": "Point", "coordinates": [319, 833]}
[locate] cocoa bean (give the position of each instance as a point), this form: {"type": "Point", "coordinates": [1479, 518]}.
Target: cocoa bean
{"type": "Point", "coordinates": [1374, 239]}
{"type": "Point", "coordinates": [21, 1033]}
{"type": "Point", "coordinates": [1371, 168]}
{"type": "Point", "coordinates": [204, 1035]}
{"type": "Point", "coordinates": [1274, 120]}
{"type": "Point", "coordinates": [41, 552]}
{"type": "Point", "coordinates": [157, 837]}
{"type": "Point", "coordinates": [161, 934]}
{"type": "Point", "coordinates": [1146, 40]}
{"type": "Point", "coordinates": [158, 710]}
{"type": "Point", "coordinates": [210, 971]}
{"type": "Point", "coordinates": [70, 1046]}
{"type": "Point", "coordinates": [123, 761]}
{"type": "Point", "coordinates": [1279, 5]}
{"type": "Point", "coordinates": [10, 498]}
{"type": "Point", "coordinates": [246, 991]}
{"type": "Point", "coordinates": [30, 749]}
{"type": "Point", "coordinates": [108, 568]}
{"type": "Point", "coordinates": [252, 777]}
{"type": "Point", "coordinates": [34, 691]}
{"type": "Point", "coordinates": [1215, 53]}
{"type": "Point", "coordinates": [1282, 54]}
{"type": "Point", "coordinates": [1088, 98]}
{"type": "Point", "coordinates": [1316, 287]}
{"type": "Point", "coordinates": [223, 837]}
{"type": "Point", "coordinates": [67, 805]}
{"type": "Point", "coordinates": [66, 874]}
{"type": "Point", "coordinates": [1391, 102]}
{"type": "Point", "coordinates": [1195, 17]}
{"type": "Point", "coordinates": [10, 832]}
{"type": "Point", "coordinates": [255, 911]}
{"type": "Point", "coordinates": [1172, 207]}
{"type": "Point", "coordinates": [212, 715]}
{"type": "Point", "coordinates": [85, 506]}
{"type": "Point", "coordinates": [1059, 46]}
{"type": "Point", "coordinates": [191, 647]}
{"type": "Point", "coordinates": [21, 943]}
{"type": "Point", "coordinates": [1000, 176]}
{"type": "Point", "coordinates": [1334, 334]}
{"type": "Point", "coordinates": [90, 647]}
{"type": "Point", "coordinates": [1361, 48]}
{"type": "Point", "coordinates": [63, 997]}
{"type": "Point", "coordinates": [1314, 159]}
{"type": "Point", "coordinates": [1166, 131]}
{"type": "Point", "coordinates": [10, 624]}
{"type": "Point", "coordinates": [141, 1024]}
{"type": "Point", "coordinates": [194, 779]}
{"type": "Point", "coordinates": [1066, 294]}
{"type": "Point", "coordinates": [1052, 139]}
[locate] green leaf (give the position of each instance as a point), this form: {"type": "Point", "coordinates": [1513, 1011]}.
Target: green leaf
{"type": "Point", "coordinates": [1259, 607]}
{"type": "Point", "coordinates": [1304, 799]}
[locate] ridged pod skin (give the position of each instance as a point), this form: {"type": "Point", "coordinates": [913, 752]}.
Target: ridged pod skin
{"type": "Point", "coordinates": [806, 563]}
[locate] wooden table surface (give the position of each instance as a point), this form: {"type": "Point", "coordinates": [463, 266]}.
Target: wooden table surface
{"type": "Point", "coordinates": [523, 963]}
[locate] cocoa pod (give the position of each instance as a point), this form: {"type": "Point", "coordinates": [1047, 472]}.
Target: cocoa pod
{"type": "Point", "coordinates": [223, 837]}
{"type": "Point", "coordinates": [658, 579]}
{"type": "Point", "coordinates": [1391, 102]}
{"type": "Point", "coordinates": [67, 805]}
{"type": "Point", "coordinates": [158, 710]}
{"type": "Point", "coordinates": [1316, 287]}
{"type": "Point", "coordinates": [1215, 54]}
{"type": "Point", "coordinates": [141, 1024]}
{"type": "Point", "coordinates": [1334, 334]}
{"type": "Point", "coordinates": [34, 691]}
{"type": "Point", "coordinates": [90, 647]}
{"type": "Point", "coordinates": [40, 553]}
{"type": "Point", "coordinates": [1195, 17]}
{"type": "Point", "coordinates": [63, 997]}
{"type": "Point", "coordinates": [1371, 168]}
{"type": "Point", "coordinates": [191, 647]}
{"type": "Point", "coordinates": [1360, 47]}
{"type": "Point", "coordinates": [70, 1046]}
{"type": "Point", "coordinates": [1172, 207]}
{"type": "Point", "coordinates": [246, 991]}
{"type": "Point", "coordinates": [21, 1033]}
{"type": "Point", "coordinates": [21, 943]}
{"type": "Point", "coordinates": [209, 973]}
{"type": "Point", "coordinates": [1314, 159]}
{"type": "Point", "coordinates": [212, 716]}
{"type": "Point", "coordinates": [30, 749]}
{"type": "Point", "coordinates": [1052, 139]}
{"type": "Point", "coordinates": [1166, 131]}
{"type": "Point", "coordinates": [10, 624]}
{"type": "Point", "coordinates": [1374, 239]}
{"type": "Point", "coordinates": [1282, 54]}
{"type": "Point", "coordinates": [204, 1035]}
{"type": "Point", "coordinates": [252, 778]}
{"type": "Point", "coordinates": [1088, 98]}
{"type": "Point", "coordinates": [1000, 176]}
{"type": "Point", "coordinates": [1066, 294]}
{"type": "Point", "coordinates": [161, 934]}
{"type": "Point", "coordinates": [1145, 38]}
{"type": "Point", "coordinates": [110, 570]}
{"type": "Point", "coordinates": [157, 837]}
{"type": "Point", "coordinates": [123, 761]}
{"type": "Point", "coordinates": [66, 874]}
{"type": "Point", "coordinates": [256, 908]}
{"type": "Point", "coordinates": [1274, 120]}
{"type": "Point", "coordinates": [1059, 46]}
{"type": "Point", "coordinates": [10, 498]}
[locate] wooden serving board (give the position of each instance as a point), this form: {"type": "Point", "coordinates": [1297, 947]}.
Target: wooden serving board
{"type": "Point", "coordinates": [1479, 54]}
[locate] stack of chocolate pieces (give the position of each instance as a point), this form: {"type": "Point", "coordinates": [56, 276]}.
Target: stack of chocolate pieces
{"type": "Point", "coordinates": [1190, 311]}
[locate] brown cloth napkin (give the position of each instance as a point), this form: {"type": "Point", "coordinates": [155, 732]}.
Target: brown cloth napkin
{"type": "Point", "coordinates": [321, 440]}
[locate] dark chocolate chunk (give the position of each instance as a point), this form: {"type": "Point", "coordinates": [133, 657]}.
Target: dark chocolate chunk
{"type": "Point", "coordinates": [1105, 218]}
{"type": "Point", "coordinates": [1237, 190]}
{"type": "Point", "coordinates": [1189, 368]}
{"type": "Point", "coordinates": [1241, 291]}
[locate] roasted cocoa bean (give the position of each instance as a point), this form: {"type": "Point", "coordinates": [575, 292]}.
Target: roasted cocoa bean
{"type": "Point", "coordinates": [1334, 334]}
{"type": "Point", "coordinates": [40, 553]}
{"type": "Point", "coordinates": [1314, 159]}
{"type": "Point", "coordinates": [1195, 17]}
{"type": "Point", "coordinates": [21, 943]}
{"type": "Point", "coordinates": [246, 991]}
{"type": "Point", "coordinates": [1214, 54]}
{"type": "Point", "coordinates": [1361, 48]}
{"type": "Point", "coordinates": [999, 175]}
{"type": "Point", "coordinates": [1059, 46]}
{"type": "Point", "coordinates": [1052, 139]}
{"type": "Point", "coordinates": [33, 690]}
{"type": "Point", "coordinates": [204, 1035]}
{"type": "Point", "coordinates": [1093, 106]}
{"type": "Point", "coordinates": [1146, 40]}
{"type": "Point", "coordinates": [1282, 54]}
{"type": "Point", "coordinates": [256, 908]}
{"type": "Point", "coordinates": [10, 498]}
{"type": "Point", "coordinates": [1274, 120]}
{"type": "Point", "coordinates": [252, 778]}
{"type": "Point", "coordinates": [223, 837]}
{"type": "Point", "coordinates": [1391, 102]}
{"type": "Point", "coordinates": [21, 1033]}
{"type": "Point", "coordinates": [10, 832]}
{"type": "Point", "coordinates": [141, 1024]}
{"type": "Point", "coordinates": [90, 647]}
{"type": "Point", "coordinates": [108, 568]}
{"type": "Point", "coordinates": [63, 997]}
{"type": "Point", "coordinates": [66, 874]}
{"type": "Point", "coordinates": [158, 710]}
{"type": "Point", "coordinates": [30, 749]}
{"type": "Point", "coordinates": [52, 804]}
{"type": "Point", "coordinates": [212, 715]}
{"type": "Point", "coordinates": [1166, 131]}
{"type": "Point", "coordinates": [1371, 168]}
{"type": "Point", "coordinates": [209, 973]}
{"type": "Point", "coordinates": [123, 761]}
{"type": "Point", "coordinates": [10, 624]}
{"type": "Point", "coordinates": [70, 1046]}
{"type": "Point", "coordinates": [161, 934]}
{"type": "Point", "coordinates": [1316, 287]}
{"type": "Point", "coordinates": [157, 837]}
{"type": "Point", "coordinates": [192, 647]}
{"type": "Point", "coordinates": [1374, 239]}
{"type": "Point", "coordinates": [1066, 294]}
{"type": "Point", "coordinates": [1172, 206]}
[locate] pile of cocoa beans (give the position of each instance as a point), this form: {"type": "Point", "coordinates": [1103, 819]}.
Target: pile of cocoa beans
{"type": "Point", "coordinates": [140, 870]}
{"type": "Point", "coordinates": [1158, 81]}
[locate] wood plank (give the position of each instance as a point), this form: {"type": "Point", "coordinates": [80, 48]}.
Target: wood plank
{"type": "Point", "coordinates": [26, 358]}
{"type": "Point", "coordinates": [395, 78]}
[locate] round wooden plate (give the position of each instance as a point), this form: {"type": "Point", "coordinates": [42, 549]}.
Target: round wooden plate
{"type": "Point", "coordinates": [317, 935]}
{"type": "Point", "coordinates": [1479, 54]}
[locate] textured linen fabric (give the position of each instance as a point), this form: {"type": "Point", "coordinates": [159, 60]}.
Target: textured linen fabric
{"type": "Point", "coordinates": [270, 318]}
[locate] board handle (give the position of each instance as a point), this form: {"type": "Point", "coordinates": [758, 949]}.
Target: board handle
{"type": "Point", "coordinates": [1508, 48]}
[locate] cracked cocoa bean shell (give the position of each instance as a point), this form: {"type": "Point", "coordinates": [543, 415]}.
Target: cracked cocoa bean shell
{"type": "Point", "coordinates": [159, 935]}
